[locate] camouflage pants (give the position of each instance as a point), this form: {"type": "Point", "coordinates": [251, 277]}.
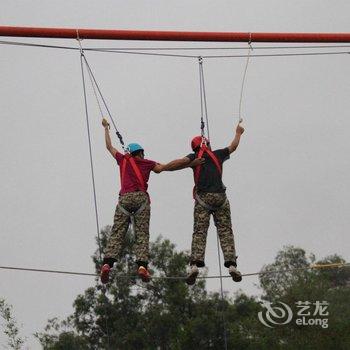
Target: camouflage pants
{"type": "Point", "coordinates": [222, 220]}
{"type": "Point", "coordinates": [131, 202]}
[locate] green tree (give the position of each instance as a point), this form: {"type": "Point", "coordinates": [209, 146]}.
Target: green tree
{"type": "Point", "coordinates": [310, 285]}
{"type": "Point", "coordinates": [130, 314]}
{"type": "Point", "coordinates": [10, 327]}
{"type": "Point", "coordinates": [167, 314]}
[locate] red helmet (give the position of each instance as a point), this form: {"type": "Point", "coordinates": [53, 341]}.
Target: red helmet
{"type": "Point", "coordinates": [197, 142]}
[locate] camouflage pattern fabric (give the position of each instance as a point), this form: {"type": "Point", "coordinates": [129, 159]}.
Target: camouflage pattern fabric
{"type": "Point", "coordinates": [222, 220]}
{"type": "Point", "coordinates": [131, 201]}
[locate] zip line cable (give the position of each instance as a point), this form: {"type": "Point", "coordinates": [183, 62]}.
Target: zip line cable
{"type": "Point", "coordinates": [130, 50]}
{"type": "Point", "coordinates": [90, 156]}
{"type": "Point", "coordinates": [232, 56]}
{"type": "Point", "coordinates": [204, 109]}
{"type": "Point", "coordinates": [260, 273]}
{"type": "Point", "coordinates": [104, 289]}
{"type": "Point", "coordinates": [277, 47]}
{"type": "Point", "coordinates": [222, 293]}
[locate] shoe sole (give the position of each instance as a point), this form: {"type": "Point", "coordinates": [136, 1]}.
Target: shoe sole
{"type": "Point", "coordinates": [144, 278]}
{"type": "Point", "coordinates": [236, 277]}
{"type": "Point", "coordinates": [191, 279]}
{"type": "Point", "coordinates": [105, 277]}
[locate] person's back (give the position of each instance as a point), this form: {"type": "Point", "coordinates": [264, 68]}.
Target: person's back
{"type": "Point", "coordinates": [130, 179]}
{"type": "Point", "coordinates": [210, 178]}
{"type": "Point", "coordinates": [133, 206]}
{"type": "Point", "coordinates": [210, 199]}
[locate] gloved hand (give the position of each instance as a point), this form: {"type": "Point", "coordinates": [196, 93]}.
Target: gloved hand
{"type": "Point", "coordinates": [105, 123]}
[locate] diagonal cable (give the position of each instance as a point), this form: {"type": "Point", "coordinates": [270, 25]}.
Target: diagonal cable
{"type": "Point", "coordinates": [91, 158]}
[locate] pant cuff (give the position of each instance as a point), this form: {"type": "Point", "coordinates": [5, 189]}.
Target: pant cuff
{"type": "Point", "coordinates": [228, 263]}
{"type": "Point", "coordinates": [142, 263]}
{"type": "Point", "coordinates": [109, 261]}
{"type": "Point", "coordinates": [198, 263]}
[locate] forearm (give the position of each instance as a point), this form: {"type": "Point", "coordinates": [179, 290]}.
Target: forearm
{"type": "Point", "coordinates": [176, 164]}
{"type": "Point", "coordinates": [108, 139]}
{"type": "Point", "coordinates": [234, 144]}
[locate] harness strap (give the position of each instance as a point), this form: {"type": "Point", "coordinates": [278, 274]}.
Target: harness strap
{"type": "Point", "coordinates": [132, 215]}
{"type": "Point", "coordinates": [135, 168]}
{"type": "Point", "coordinates": [214, 159]}
{"type": "Point", "coordinates": [207, 206]}
{"type": "Point", "coordinates": [197, 170]}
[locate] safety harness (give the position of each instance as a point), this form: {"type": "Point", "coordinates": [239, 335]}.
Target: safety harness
{"type": "Point", "coordinates": [207, 206]}
{"type": "Point", "coordinates": [133, 214]}
{"type": "Point", "coordinates": [129, 159]}
{"type": "Point", "coordinates": [204, 149]}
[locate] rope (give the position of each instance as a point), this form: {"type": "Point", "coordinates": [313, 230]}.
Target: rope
{"type": "Point", "coordinates": [90, 155]}
{"type": "Point", "coordinates": [95, 93]}
{"type": "Point", "coordinates": [200, 62]}
{"type": "Point", "coordinates": [203, 100]}
{"type": "Point", "coordinates": [96, 89]}
{"type": "Point", "coordinates": [310, 267]}
{"type": "Point", "coordinates": [95, 83]}
{"type": "Point", "coordinates": [250, 49]}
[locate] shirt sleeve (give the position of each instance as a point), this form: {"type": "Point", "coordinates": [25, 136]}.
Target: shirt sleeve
{"type": "Point", "coordinates": [150, 164]}
{"type": "Point", "coordinates": [223, 154]}
{"type": "Point", "coordinates": [191, 157]}
{"type": "Point", "coordinates": [119, 157]}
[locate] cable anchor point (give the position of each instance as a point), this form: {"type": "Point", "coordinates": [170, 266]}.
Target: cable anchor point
{"type": "Point", "coordinates": [250, 41]}
{"type": "Point", "coordinates": [79, 42]}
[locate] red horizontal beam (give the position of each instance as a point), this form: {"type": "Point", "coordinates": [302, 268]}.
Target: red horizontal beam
{"type": "Point", "coordinates": [174, 35]}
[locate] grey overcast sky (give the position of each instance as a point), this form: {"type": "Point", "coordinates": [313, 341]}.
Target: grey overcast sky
{"type": "Point", "coordinates": [288, 183]}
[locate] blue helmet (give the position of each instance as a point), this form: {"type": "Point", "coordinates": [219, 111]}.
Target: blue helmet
{"type": "Point", "coordinates": [133, 147]}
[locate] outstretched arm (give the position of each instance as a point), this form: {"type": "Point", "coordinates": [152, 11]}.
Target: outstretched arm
{"type": "Point", "coordinates": [113, 151]}
{"type": "Point", "coordinates": [177, 164]}
{"type": "Point", "coordinates": [235, 142]}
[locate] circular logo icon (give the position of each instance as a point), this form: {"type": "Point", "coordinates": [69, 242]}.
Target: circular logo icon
{"type": "Point", "coordinates": [275, 315]}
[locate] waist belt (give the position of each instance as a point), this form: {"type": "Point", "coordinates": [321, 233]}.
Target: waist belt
{"type": "Point", "coordinates": [133, 214]}
{"type": "Point", "coordinates": [207, 206]}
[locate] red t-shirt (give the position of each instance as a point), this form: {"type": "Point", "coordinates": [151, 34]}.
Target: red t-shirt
{"type": "Point", "coordinates": [130, 182]}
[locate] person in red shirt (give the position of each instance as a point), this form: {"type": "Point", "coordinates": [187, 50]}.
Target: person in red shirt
{"type": "Point", "coordinates": [133, 206]}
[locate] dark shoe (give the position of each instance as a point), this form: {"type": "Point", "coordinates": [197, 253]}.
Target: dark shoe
{"type": "Point", "coordinates": [191, 277]}
{"type": "Point", "coordinates": [144, 274]}
{"type": "Point", "coordinates": [235, 274]}
{"type": "Point", "coordinates": [105, 273]}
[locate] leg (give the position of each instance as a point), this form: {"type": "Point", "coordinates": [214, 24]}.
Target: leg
{"type": "Point", "coordinates": [142, 220]}
{"type": "Point", "coordinates": [116, 239]}
{"type": "Point", "coordinates": [201, 218]}
{"type": "Point", "coordinates": [222, 219]}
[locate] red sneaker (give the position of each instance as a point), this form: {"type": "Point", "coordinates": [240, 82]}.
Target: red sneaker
{"type": "Point", "coordinates": [105, 273]}
{"type": "Point", "coordinates": [144, 274]}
